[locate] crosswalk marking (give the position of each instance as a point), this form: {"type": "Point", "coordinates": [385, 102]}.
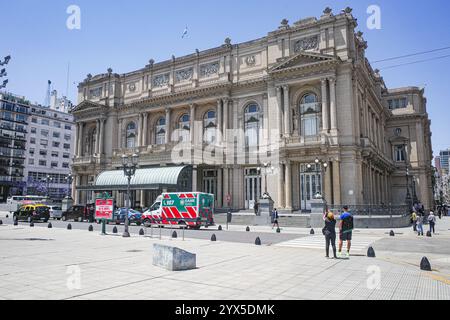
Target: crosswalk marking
{"type": "Point", "coordinates": [359, 243]}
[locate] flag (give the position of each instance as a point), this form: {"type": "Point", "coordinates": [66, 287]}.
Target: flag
{"type": "Point", "coordinates": [184, 33]}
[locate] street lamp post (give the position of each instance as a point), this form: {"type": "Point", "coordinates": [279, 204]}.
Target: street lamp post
{"type": "Point", "coordinates": [48, 180]}
{"type": "Point", "coordinates": [69, 180]}
{"type": "Point", "coordinates": [129, 170]}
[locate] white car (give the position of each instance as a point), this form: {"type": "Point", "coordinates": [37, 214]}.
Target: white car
{"type": "Point", "coordinates": [55, 212]}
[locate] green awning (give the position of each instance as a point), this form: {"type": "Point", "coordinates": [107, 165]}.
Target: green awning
{"type": "Point", "coordinates": [144, 179]}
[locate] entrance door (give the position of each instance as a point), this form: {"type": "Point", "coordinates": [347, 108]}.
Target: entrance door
{"type": "Point", "coordinates": [252, 188]}
{"type": "Point", "coordinates": [210, 183]}
{"type": "Point", "coordinates": [310, 185]}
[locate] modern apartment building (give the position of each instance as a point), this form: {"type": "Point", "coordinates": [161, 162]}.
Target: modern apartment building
{"type": "Point", "coordinates": [13, 129]}
{"type": "Point", "coordinates": [50, 146]}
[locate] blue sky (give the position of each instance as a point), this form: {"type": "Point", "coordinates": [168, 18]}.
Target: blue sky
{"type": "Point", "coordinates": [124, 35]}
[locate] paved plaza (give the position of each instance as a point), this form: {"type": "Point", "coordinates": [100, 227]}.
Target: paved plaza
{"type": "Point", "coordinates": [41, 263]}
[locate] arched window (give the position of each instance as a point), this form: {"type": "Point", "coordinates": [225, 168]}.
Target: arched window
{"type": "Point", "coordinates": [131, 135]}
{"type": "Point", "coordinates": [184, 128]}
{"type": "Point", "coordinates": [252, 125]}
{"type": "Point", "coordinates": [209, 127]}
{"type": "Point", "coordinates": [310, 115]}
{"type": "Point", "coordinates": [160, 132]}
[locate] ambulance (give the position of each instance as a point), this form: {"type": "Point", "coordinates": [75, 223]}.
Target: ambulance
{"type": "Point", "coordinates": [194, 210]}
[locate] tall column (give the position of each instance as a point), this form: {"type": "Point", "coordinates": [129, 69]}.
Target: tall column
{"type": "Point", "coordinates": [192, 123]}
{"type": "Point", "coordinates": [219, 192]}
{"type": "Point", "coordinates": [280, 110]}
{"type": "Point", "coordinates": [76, 192]}
{"type": "Point", "coordinates": [325, 107]}
{"type": "Point", "coordinates": [370, 184]}
{"type": "Point", "coordinates": [226, 106]}
{"type": "Point", "coordinates": [280, 186]}
{"type": "Point", "coordinates": [226, 183]}
{"type": "Point", "coordinates": [328, 187]}
{"type": "Point", "coordinates": [77, 137]}
{"type": "Point", "coordinates": [80, 140]}
{"type": "Point", "coordinates": [145, 129]}
{"type": "Point", "coordinates": [219, 121]}
{"type": "Point", "coordinates": [337, 182]}
{"type": "Point", "coordinates": [333, 110]}
{"type": "Point", "coordinates": [288, 185]}
{"type": "Point", "coordinates": [142, 198]}
{"type": "Point", "coordinates": [287, 112]}
{"type": "Point", "coordinates": [119, 132]}
{"type": "Point", "coordinates": [139, 140]}
{"type": "Point", "coordinates": [97, 135]}
{"type": "Point", "coordinates": [168, 129]}
{"type": "Point", "coordinates": [194, 178]}
{"type": "Point", "coordinates": [102, 136]}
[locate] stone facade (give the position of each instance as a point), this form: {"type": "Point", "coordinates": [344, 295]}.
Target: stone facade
{"type": "Point", "coordinates": [307, 86]}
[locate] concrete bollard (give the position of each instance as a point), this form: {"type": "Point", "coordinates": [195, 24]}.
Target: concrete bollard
{"type": "Point", "coordinates": [392, 233]}
{"type": "Point", "coordinates": [371, 253]}
{"type": "Point", "coordinates": [115, 230]}
{"type": "Point", "coordinates": [425, 264]}
{"type": "Point", "coordinates": [50, 225]}
{"type": "Point", "coordinates": [247, 229]}
{"type": "Point", "coordinates": [220, 228]}
{"type": "Point", "coordinates": [69, 227]}
{"type": "Point", "coordinates": [213, 238]}
{"type": "Point", "coordinates": [312, 232]}
{"type": "Point", "coordinates": [141, 232]}
{"type": "Point", "coordinates": [174, 235]}
{"type": "Point", "coordinates": [91, 228]}
{"type": "Point", "coordinates": [258, 241]}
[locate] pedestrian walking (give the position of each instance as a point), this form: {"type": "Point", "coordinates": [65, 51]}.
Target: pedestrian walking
{"type": "Point", "coordinates": [275, 218]}
{"type": "Point", "coordinates": [414, 220]}
{"type": "Point", "coordinates": [432, 222]}
{"type": "Point", "coordinates": [420, 225]}
{"type": "Point", "coordinates": [329, 231]}
{"type": "Point", "coordinates": [256, 208]}
{"type": "Point", "coordinates": [345, 231]}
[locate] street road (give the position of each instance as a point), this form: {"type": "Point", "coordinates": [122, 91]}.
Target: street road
{"type": "Point", "coordinates": [203, 234]}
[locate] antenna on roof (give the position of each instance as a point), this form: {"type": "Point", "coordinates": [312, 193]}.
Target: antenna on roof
{"type": "Point", "coordinates": [47, 96]}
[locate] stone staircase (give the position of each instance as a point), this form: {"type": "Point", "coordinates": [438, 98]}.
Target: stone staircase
{"type": "Point", "coordinates": [248, 219]}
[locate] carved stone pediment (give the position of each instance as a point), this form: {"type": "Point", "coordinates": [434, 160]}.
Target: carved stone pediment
{"type": "Point", "coordinates": [88, 106]}
{"type": "Point", "coordinates": [304, 60]}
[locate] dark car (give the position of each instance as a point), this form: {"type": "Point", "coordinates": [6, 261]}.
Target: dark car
{"type": "Point", "coordinates": [76, 213]}
{"type": "Point", "coordinates": [32, 212]}
{"type": "Point", "coordinates": [134, 216]}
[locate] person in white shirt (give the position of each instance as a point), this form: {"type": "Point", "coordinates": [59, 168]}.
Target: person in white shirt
{"type": "Point", "coordinates": [432, 222]}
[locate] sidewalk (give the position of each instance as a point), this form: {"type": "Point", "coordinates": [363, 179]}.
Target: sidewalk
{"type": "Point", "coordinates": [38, 263]}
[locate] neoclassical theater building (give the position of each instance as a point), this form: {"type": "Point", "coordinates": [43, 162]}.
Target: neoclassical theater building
{"type": "Point", "coordinates": [255, 117]}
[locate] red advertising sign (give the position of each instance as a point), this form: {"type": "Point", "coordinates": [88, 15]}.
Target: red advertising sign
{"type": "Point", "coordinates": [104, 209]}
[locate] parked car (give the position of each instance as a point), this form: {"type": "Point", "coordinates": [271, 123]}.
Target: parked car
{"type": "Point", "coordinates": [55, 212]}
{"type": "Point", "coordinates": [134, 216]}
{"type": "Point", "coordinates": [32, 212]}
{"type": "Point", "coordinates": [76, 213]}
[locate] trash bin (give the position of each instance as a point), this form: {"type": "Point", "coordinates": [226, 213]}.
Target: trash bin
{"type": "Point", "coordinates": [229, 216]}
